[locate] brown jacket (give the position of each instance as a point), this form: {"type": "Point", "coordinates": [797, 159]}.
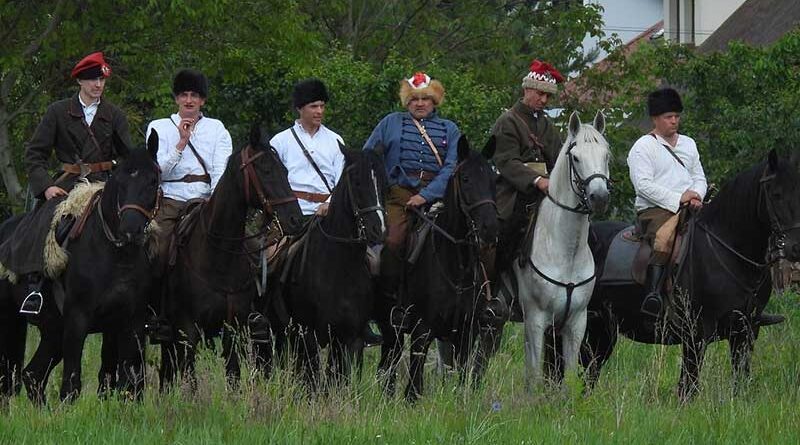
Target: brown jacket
{"type": "Point", "coordinates": [63, 128]}
{"type": "Point", "coordinates": [535, 140]}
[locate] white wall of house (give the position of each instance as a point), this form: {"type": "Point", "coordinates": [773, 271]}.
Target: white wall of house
{"type": "Point", "coordinates": [692, 21]}
{"type": "Point", "coordinates": [626, 18]}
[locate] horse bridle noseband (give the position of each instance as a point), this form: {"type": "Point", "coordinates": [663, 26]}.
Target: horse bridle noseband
{"type": "Point", "coordinates": [250, 177]}
{"type": "Point", "coordinates": [578, 185]}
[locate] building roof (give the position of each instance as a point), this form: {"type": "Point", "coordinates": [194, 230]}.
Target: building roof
{"type": "Point", "coordinates": [756, 22]}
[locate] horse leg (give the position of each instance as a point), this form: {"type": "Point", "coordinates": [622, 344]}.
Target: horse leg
{"type": "Point", "coordinates": [571, 337]}
{"type": "Point", "coordinates": [446, 351]}
{"type": "Point", "coordinates": [598, 344]}
{"type": "Point", "coordinates": [48, 354]}
{"type": "Point", "coordinates": [308, 358]}
{"type": "Point", "coordinates": [535, 325]}
{"type": "Point", "coordinates": [553, 366]}
{"type": "Point", "coordinates": [488, 345]}
{"type": "Point", "coordinates": [13, 333]}
{"type": "Point", "coordinates": [230, 351]}
{"type": "Point", "coordinates": [131, 346]}
{"type": "Point", "coordinates": [107, 376]}
{"type": "Point", "coordinates": [693, 354]}
{"type": "Point", "coordinates": [740, 340]}
{"type": "Point", "coordinates": [391, 352]}
{"type": "Point", "coordinates": [420, 341]}
{"type": "Point", "coordinates": [75, 331]}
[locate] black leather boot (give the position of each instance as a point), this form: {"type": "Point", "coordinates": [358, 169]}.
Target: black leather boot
{"type": "Point", "coordinates": [371, 338]}
{"type": "Point", "coordinates": [653, 304]}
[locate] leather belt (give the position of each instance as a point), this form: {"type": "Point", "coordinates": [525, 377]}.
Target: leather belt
{"type": "Point", "coordinates": [191, 178]}
{"type": "Point", "coordinates": [77, 169]}
{"type": "Point", "coordinates": [312, 197]}
{"type": "Point", "coordinates": [423, 175]}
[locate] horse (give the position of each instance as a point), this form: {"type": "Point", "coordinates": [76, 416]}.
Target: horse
{"type": "Point", "coordinates": [211, 286]}
{"type": "Point", "coordinates": [555, 279]}
{"type": "Point", "coordinates": [104, 288]}
{"type": "Point", "coordinates": [326, 291]}
{"type": "Point", "coordinates": [722, 284]}
{"type": "Point", "coordinates": [445, 287]}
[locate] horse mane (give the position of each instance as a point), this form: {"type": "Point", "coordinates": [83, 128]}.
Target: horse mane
{"type": "Point", "coordinates": [735, 203]}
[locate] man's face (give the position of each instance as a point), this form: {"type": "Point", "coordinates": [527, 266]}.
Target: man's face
{"type": "Point", "coordinates": [420, 106]}
{"type": "Point", "coordinates": [535, 99]}
{"type": "Point", "coordinates": [189, 103]}
{"type": "Point", "coordinates": [92, 88]}
{"type": "Point", "coordinates": [667, 124]}
{"type": "Point", "coordinates": [311, 114]}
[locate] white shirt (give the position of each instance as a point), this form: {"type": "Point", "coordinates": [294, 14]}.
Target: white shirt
{"type": "Point", "coordinates": [323, 147]}
{"type": "Point", "coordinates": [213, 144]}
{"type": "Point", "coordinates": [658, 178]}
{"type": "Point", "coordinates": [89, 110]}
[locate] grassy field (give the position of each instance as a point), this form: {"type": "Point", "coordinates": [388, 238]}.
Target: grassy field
{"type": "Point", "coordinates": [634, 403]}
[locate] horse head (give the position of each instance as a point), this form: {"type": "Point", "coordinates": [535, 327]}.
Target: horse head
{"type": "Point", "coordinates": [133, 194]}
{"type": "Point", "coordinates": [780, 183]}
{"type": "Point", "coordinates": [365, 179]}
{"type": "Point", "coordinates": [474, 182]}
{"type": "Point", "coordinates": [587, 157]}
{"type": "Point", "coordinates": [266, 183]}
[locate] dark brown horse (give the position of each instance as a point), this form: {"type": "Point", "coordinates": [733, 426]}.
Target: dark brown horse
{"type": "Point", "coordinates": [723, 282]}
{"type": "Point", "coordinates": [211, 288]}
{"type": "Point", "coordinates": [104, 289]}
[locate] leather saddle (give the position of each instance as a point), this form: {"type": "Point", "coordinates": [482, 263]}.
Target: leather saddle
{"type": "Point", "coordinates": [628, 256]}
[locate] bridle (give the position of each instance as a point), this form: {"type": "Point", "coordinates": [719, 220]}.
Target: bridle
{"type": "Point", "coordinates": [578, 185]}
{"type": "Point", "coordinates": [149, 214]}
{"type": "Point", "coordinates": [358, 212]}
{"type": "Point", "coordinates": [251, 177]}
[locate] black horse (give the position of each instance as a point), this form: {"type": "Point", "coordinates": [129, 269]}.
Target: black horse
{"type": "Point", "coordinates": [104, 289]}
{"type": "Point", "coordinates": [445, 286]}
{"type": "Point", "coordinates": [326, 296]}
{"type": "Point", "coordinates": [211, 287]}
{"type": "Point", "coordinates": [723, 282]}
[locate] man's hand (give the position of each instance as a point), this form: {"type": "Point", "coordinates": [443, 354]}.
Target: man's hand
{"type": "Point", "coordinates": [322, 210]}
{"type": "Point", "coordinates": [543, 184]}
{"type": "Point", "coordinates": [54, 191]}
{"type": "Point", "coordinates": [185, 127]}
{"type": "Point", "coordinates": [695, 204]}
{"type": "Point", "coordinates": [689, 195]}
{"type": "Point", "coordinates": [416, 201]}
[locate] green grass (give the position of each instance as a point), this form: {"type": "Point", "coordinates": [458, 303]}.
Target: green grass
{"type": "Point", "coordinates": [634, 403]}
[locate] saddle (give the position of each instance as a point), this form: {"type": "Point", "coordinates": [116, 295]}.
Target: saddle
{"type": "Point", "coordinates": [187, 221]}
{"type": "Point", "coordinates": [628, 257]}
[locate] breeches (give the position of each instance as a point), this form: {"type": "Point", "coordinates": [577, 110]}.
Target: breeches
{"type": "Point", "coordinates": [657, 226]}
{"type": "Point", "coordinates": [167, 218]}
{"type": "Point", "coordinates": [397, 218]}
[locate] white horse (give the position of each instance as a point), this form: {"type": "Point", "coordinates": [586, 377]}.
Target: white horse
{"type": "Point", "coordinates": [556, 281]}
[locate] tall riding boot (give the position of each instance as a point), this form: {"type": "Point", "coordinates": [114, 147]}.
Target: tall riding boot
{"type": "Point", "coordinates": [653, 304]}
{"type": "Point", "coordinates": [32, 304]}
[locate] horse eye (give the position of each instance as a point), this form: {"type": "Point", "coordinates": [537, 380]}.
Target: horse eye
{"type": "Point", "coordinates": [575, 158]}
{"type": "Point", "coordinates": [465, 178]}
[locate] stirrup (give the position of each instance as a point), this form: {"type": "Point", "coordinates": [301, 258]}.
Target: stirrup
{"type": "Point", "coordinates": [653, 305]}
{"type": "Point", "coordinates": [259, 328]}
{"type": "Point", "coordinates": [399, 318]}
{"type": "Point", "coordinates": [32, 304]}
{"type": "Point", "coordinates": [159, 331]}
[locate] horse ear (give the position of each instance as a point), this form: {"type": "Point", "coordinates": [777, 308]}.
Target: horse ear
{"type": "Point", "coordinates": [773, 160]}
{"type": "Point", "coordinates": [600, 122]}
{"type": "Point", "coordinates": [574, 124]}
{"type": "Point", "coordinates": [152, 144]}
{"type": "Point", "coordinates": [489, 148]}
{"type": "Point", "coordinates": [463, 148]}
{"type": "Point", "coordinates": [256, 134]}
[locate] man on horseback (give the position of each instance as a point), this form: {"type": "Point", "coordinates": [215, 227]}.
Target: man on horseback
{"type": "Point", "coordinates": [87, 133]}
{"type": "Point", "coordinates": [193, 151]}
{"type": "Point", "coordinates": [528, 144]}
{"type": "Point", "coordinates": [309, 150]}
{"type": "Point", "coordinates": [667, 175]}
{"type": "Point", "coordinates": [420, 156]}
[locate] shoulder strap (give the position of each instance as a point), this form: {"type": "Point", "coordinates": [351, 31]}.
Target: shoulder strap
{"type": "Point", "coordinates": [427, 138]}
{"type": "Point", "coordinates": [533, 138]}
{"type": "Point", "coordinates": [311, 161]}
{"type": "Point", "coordinates": [195, 153]}
{"type": "Point", "coordinates": [670, 151]}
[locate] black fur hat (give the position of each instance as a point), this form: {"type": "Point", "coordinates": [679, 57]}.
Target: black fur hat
{"type": "Point", "coordinates": [307, 91]}
{"type": "Point", "coordinates": [190, 80]}
{"type": "Point", "coordinates": [665, 100]}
